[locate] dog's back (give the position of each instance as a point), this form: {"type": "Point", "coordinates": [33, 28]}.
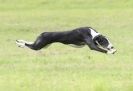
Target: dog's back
{"type": "Point", "coordinates": [75, 36]}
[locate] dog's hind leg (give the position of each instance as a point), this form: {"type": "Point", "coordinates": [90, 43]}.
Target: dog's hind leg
{"type": "Point", "coordinates": [39, 43]}
{"type": "Point", "coordinates": [21, 43]}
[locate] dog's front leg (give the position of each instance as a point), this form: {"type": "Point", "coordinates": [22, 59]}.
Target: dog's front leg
{"type": "Point", "coordinates": [92, 46]}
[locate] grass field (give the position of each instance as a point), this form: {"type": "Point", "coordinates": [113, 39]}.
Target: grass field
{"type": "Point", "coordinates": [61, 67]}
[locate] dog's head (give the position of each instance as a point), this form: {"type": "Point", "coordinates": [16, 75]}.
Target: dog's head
{"type": "Point", "coordinates": [103, 43]}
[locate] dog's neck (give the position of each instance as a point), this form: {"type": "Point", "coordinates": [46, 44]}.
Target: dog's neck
{"type": "Point", "coordinates": [93, 33]}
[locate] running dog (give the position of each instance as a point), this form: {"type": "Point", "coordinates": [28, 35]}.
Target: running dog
{"type": "Point", "coordinates": [77, 37]}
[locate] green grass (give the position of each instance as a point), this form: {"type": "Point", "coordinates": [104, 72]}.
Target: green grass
{"type": "Point", "coordinates": [61, 67]}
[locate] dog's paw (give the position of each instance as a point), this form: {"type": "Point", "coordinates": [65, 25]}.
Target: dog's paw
{"type": "Point", "coordinates": [20, 43]}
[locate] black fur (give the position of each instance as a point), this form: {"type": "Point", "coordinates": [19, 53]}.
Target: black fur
{"type": "Point", "coordinates": [80, 36]}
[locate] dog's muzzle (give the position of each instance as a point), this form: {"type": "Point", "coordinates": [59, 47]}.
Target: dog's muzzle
{"type": "Point", "coordinates": [111, 51]}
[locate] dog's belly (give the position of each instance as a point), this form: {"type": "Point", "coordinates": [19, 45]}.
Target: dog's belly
{"type": "Point", "coordinates": [77, 46]}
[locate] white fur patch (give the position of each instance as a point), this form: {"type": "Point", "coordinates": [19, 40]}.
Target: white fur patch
{"type": "Point", "coordinates": [112, 51]}
{"type": "Point", "coordinates": [94, 33]}
{"type": "Point", "coordinates": [21, 43]}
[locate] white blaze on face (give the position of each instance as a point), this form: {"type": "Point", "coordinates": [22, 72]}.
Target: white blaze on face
{"type": "Point", "coordinates": [94, 33]}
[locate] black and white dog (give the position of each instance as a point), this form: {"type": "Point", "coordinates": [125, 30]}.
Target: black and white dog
{"type": "Point", "coordinates": [79, 37]}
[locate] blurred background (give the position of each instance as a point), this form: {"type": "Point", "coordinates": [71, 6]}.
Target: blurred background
{"type": "Point", "coordinates": [61, 67]}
